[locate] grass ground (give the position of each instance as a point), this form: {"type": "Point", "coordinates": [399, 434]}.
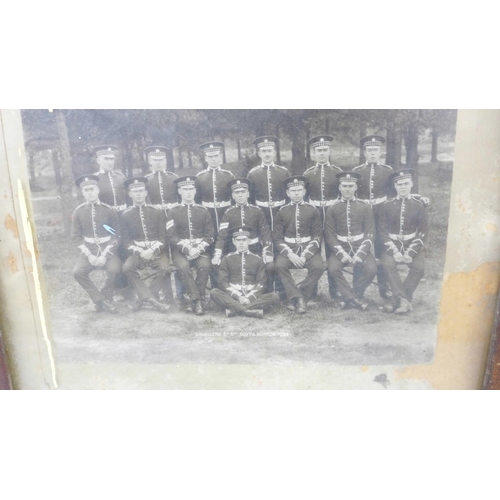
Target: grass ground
{"type": "Point", "coordinates": [327, 335]}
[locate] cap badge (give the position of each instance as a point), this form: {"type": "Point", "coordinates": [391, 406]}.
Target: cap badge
{"type": "Point", "coordinates": [157, 151]}
{"type": "Point", "coordinates": [238, 182]}
{"type": "Point", "coordinates": [188, 179]}
{"type": "Point", "coordinates": [211, 145]}
{"type": "Point", "coordinates": [109, 149]}
{"type": "Point", "coordinates": [322, 140]}
{"type": "Point", "coordinates": [136, 182]}
{"type": "Point", "coordinates": [265, 140]}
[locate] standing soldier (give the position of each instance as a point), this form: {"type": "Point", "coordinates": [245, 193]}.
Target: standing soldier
{"type": "Point", "coordinates": [297, 237]}
{"type": "Point", "coordinates": [111, 189]}
{"type": "Point", "coordinates": [95, 229]}
{"type": "Point", "coordinates": [268, 178]}
{"type": "Point", "coordinates": [403, 230]}
{"type": "Point", "coordinates": [349, 230]}
{"type": "Point", "coordinates": [374, 188]}
{"type": "Point", "coordinates": [242, 279]}
{"type": "Point", "coordinates": [190, 232]}
{"type": "Point", "coordinates": [212, 191]}
{"type": "Point", "coordinates": [144, 239]}
{"type": "Point", "coordinates": [323, 187]}
{"type": "Point", "coordinates": [162, 192]}
{"type": "Point", "coordinates": [251, 216]}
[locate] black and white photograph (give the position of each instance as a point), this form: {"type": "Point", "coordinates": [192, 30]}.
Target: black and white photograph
{"type": "Point", "coordinates": [245, 236]}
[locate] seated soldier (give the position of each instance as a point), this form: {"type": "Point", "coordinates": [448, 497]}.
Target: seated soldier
{"type": "Point", "coordinates": [242, 279]}
{"type": "Point", "coordinates": [403, 231]}
{"type": "Point", "coordinates": [297, 236]}
{"type": "Point", "coordinates": [95, 229]}
{"type": "Point", "coordinates": [144, 239]}
{"type": "Point", "coordinates": [251, 216]}
{"type": "Point", "coordinates": [349, 229]}
{"type": "Point", "coordinates": [190, 232]}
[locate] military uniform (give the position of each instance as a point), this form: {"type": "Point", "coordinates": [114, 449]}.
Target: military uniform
{"type": "Point", "coordinates": [162, 192]}
{"type": "Point", "coordinates": [111, 190]}
{"type": "Point", "coordinates": [269, 191]}
{"type": "Point", "coordinates": [191, 226]}
{"type": "Point", "coordinates": [349, 230]}
{"type": "Point", "coordinates": [297, 229]}
{"type": "Point", "coordinates": [95, 230]}
{"type": "Point", "coordinates": [402, 224]}
{"type": "Point", "coordinates": [242, 274]}
{"type": "Point", "coordinates": [143, 228]}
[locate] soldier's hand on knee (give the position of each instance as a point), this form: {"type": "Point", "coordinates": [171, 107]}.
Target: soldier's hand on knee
{"type": "Point", "coordinates": [398, 257]}
{"type": "Point", "coordinates": [243, 300]}
{"type": "Point", "coordinates": [346, 259]}
{"type": "Point", "coordinates": [268, 259]}
{"type": "Point", "coordinates": [295, 259]}
{"type": "Point", "coordinates": [194, 253]}
{"type": "Point", "coordinates": [356, 259]}
{"type": "Point", "coordinates": [148, 254]}
{"type": "Point", "coordinates": [100, 261]}
{"type": "Point", "coordinates": [92, 259]}
{"type": "Point", "coordinates": [407, 259]}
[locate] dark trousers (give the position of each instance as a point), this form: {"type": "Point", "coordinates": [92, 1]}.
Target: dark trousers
{"type": "Point", "coordinates": [363, 274]}
{"type": "Point", "coordinates": [225, 301]}
{"type": "Point", "coordinates": [315, 268]}
{"type": "Point", "coordinates": [195, 288]}
{"type": "Point", "coordinates": [81, 273]}
{"type": "Point", "coordinates": [399, 288]}
{"type": "Point", "coordinates": [160, 266]}
{"type": "Point", "coordinates": [379, 250]}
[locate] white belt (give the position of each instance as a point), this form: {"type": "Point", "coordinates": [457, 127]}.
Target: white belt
{"type": "Point", "coordinates": [145, 244]}
{"type": "Point", "coordinates": [270, 204]}
{"type": "Point", "coordinates": [306, 239]}
{"type": "Point", "coordinates": [348, 239]}
{"type": "Point", "coordinates": [377, 201]}
{"type": "Point", "coordinates": [220, 204]}
{"type": "Point", "coordinates": [402, 237]}
{"type": "Point", "coordinates": [318, 203]}
{"type": "Point", "coordinates": [120, 208]}
{"type": "Point", "coordinates": [166, 206]}
{"type": "Point", "coordinates": [242, 287]}
{"type": "Point", "coordinates": [97, 241]}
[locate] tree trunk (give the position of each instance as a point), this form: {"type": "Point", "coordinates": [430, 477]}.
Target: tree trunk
{"type": "Point", "coordinates": [411, 145]}
{"type": "Point", "coordinates": [434, 150]}
{"type": "Point", "coordinates": [190, 158]}
{"type": "Point", "coordinates": [362, 133]}
{"type": "Point", "coordinates": [31, 168]}
{"type": "Point", "coordinates": [278, 148]}
{"type": "Point", "coordinates": [308, 149]}
{"type": "Point", "coordinates": [224, 160]}
{"type": "Point", "coordinates": [238, 145]}
{"type": "Point", "coordinates": [57, 168]}
{"type": "Point", "coordinates": [327, 126]}
{"type": "Point", "coordinates": [397, 140]}
{"type": "Point", "coordinates": [180, 160]}
{"type": "Point", "coordinates": [67, 177]}
{"type": "Point", "coordinates": [298, 148]}
{"type": "Point", "coordinates": [170, 158]}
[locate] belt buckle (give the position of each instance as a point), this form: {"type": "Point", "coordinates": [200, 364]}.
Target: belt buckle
{"type": "Point", "coordinates": [401, 237]}
{"type": "Point", "coordinates": [322, 203]}
{"type": "Point", "coordinates": [216, 204]}
{"type": "Point", "coordinates": [271, 204]}
{"type": "Point", "coordinates": [350, 238]}
{"type": "Point", "coordinates": [97, 241]}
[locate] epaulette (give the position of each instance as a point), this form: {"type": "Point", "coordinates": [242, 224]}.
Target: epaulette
{"type": "Point", "coordinates": [255, 168]}
{"type": "Point", "coordinates": [336, 202]}
{"type": "Point", "coordinates": [106, 205]}
{"type": "Point", "coordinates": [310, 204]}
{"type": "Point", "coordinates": [200, 206]}
{"type": "Point", "coordinates": [254, 254]}
{"type": "Point", "coordinates": [386, 166]}
{"type": "Point", "coordinates": [231, 253]}
{"type": "Point", "coordinates": [310, 168]}
{"type": "Point", "coordinates": [128, 209]}
{"type": "Point", "coordinates": [150, 174]}
{"type": "Point", "coordinates": [359, 166]}
{"type": "Point", "coordinates": [250, 205]}
{"type": "Point", "coordinates": [228, 171]}
{"type": "Point", "coordinates": [335, 166]}
{"type": "Point", "coordinates": [154, 207]}
{"type": "Point", "coordinates": [279, 166]}
{"type": "Point", "coordinates": [202, 172]}
{"type": "Point", "coordinates": [121, 173]}
{"type": "Point", "coordinates": [230, 208]}
{"type": "Point", "coordinates": [81, 205]}
{"type": "Point", "coordinates": [389, 200]}
{"type": "Point", "coordinates": [366, 202]}
{"type": "Point", "coordinates": [284, 206]}
{"type": "Point", "coordinates": [419, 199]}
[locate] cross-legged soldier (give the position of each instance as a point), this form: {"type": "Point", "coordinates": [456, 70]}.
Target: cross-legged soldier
{"type": "Point", "coordinates": [242, 280]}
{"type": "Point", "coordinates": [297, 236]}
{"type": "Point", "coordinates": [190, 231]}
{"type": "Point", "coordinates": [95, 229]}
{"type": "Point", "coordinates": [323, 187]}
{"type": "Point", "coordinates": [349, 228]}
{"type": "Point", "coordinates": [251, 216]}
{"type": "Point", "coordinates": [144, 239]}
{"type": "Point", "coordinates": [403, 231]}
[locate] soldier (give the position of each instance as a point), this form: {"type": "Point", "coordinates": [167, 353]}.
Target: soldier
{"type": "Point", "coordinates": [267, 178]}
{"type": "Point", "coordinates": [403, 230]}
{"type": "Point", "coordinates": [349, 230]}
{"type": "Point", "coordinates": [374, 187]}
{"type": "Point", "coordinates": [251, 216]}
{"type": "Point", "coordinates": [297, 236]}
{"type": "Point", "coordinates": [162, 192]}
{"type": "Point", "coordinates": [242, 278]}
{"type": "Point", "coordinates": [111, 181]}
{"type": "Point", "coordinates": [323, 187]}
{"type": "Point", "coordinates": [144, 239]}
{"type": "Point", "coordinates": [190, 231]}
{"type": "Point", "coordinates": [212, 191]}
{"type": "Point", "coordinates": [95, 229]}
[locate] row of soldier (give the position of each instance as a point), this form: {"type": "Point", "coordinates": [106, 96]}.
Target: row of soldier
{"type": "Point", "coordinates": [247, 250]}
